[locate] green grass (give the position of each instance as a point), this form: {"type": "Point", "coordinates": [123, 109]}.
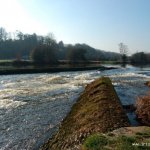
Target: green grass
{"type": "Point", "coordinates": [95, 142]}
{"type": "Point", "coordinates": [125, 143]}
{"type": "Point", "coordinates": [122, 142]}
{"type": "Point", "coordinates": [143, 134]}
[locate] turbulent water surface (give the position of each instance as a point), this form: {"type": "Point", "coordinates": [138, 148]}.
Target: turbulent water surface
{"type": "Point", "coordinates": [33, 105]}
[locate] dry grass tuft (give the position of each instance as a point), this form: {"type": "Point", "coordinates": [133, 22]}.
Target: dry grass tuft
{"type": "Point", "coordinates": [143, 109]}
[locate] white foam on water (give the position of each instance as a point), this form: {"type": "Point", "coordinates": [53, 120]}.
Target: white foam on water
{"type": "Point", "coordinates": [129, 74]}
{"type": "Point", "coordinates": [7, 103]}
{"type": "Point", "coordinates": [44, 100]}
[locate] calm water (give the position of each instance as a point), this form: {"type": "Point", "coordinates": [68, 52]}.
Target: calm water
{"type": "Point", "coordinates": [33, 105]}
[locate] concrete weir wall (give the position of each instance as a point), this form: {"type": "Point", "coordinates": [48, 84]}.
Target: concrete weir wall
{"type": "Point", "coordinates": [98, 110]}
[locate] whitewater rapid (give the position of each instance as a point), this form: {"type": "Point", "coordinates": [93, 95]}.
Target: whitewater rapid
{"type": "Point", "coordinates": [33, 105]}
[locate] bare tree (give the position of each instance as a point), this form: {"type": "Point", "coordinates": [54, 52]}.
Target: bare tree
{"type": "Point", "coordinates": [49, 39]}
{"type": "Point", "coordinates": [3, 34]}
{"type": "Point", "coordinates": [123, 51]}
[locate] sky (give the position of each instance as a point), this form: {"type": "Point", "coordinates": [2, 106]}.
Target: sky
{"type": "Point", "coordinates": [102, 24]}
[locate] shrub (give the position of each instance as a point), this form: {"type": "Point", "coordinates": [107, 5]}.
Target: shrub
{"type": "Point", "coordinates": [143, 109]}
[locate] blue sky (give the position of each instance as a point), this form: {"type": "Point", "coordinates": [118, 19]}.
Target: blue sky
{"type": "Point", "coordinates": [99, 23]}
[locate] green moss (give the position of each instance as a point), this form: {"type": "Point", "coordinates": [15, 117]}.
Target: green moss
{"type": "Point", "coordinates": [95, 142]}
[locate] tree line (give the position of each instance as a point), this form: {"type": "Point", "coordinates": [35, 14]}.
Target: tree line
{"type": "Point", "coordinates": [140, 58]}
{"type": "Point", "coordinates": [136, 58]}
{"type": "Point", "coordinates": [45, 49]}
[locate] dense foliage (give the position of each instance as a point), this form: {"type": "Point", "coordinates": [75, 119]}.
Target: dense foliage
{"type": "Point", "coordinates": [76, 54]}
{"type": "Point", "coordinates": [44, 54]}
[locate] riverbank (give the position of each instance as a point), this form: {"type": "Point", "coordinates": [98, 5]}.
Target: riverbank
{"type": "Point", "coordinates": [44, 70]}
{"type": "Point", "coordinates": [98, 110]}
{"type": "Point", "coordinates": [54, 69]}
{"type": "Point", "coordinates": [125, 138]}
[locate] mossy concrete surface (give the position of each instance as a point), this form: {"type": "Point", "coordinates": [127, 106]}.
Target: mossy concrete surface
{"type": "Point", "coordinates": [98, 110]}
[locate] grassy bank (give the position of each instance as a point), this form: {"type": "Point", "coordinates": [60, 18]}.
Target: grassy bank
{"type": "Point", "coordinates": [126, 138]}
{"type": "Point", "coordinates": [28, 70]}
{"type": "Point", "coordinates": [98, 110]}
{"type": "Point", "coordinates": [25, 67]}
{"type": "Point", "coordinates": [8, 67]}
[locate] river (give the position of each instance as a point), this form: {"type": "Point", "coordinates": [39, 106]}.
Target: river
{"type": "Point", "coordinates": [33, 105]}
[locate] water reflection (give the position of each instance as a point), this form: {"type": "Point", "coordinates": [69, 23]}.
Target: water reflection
{"type": "Point", "coordinates": [123, 65]}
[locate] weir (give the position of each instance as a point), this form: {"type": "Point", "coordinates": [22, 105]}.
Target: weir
{"type": "Point", "coordinates": [98, 110]}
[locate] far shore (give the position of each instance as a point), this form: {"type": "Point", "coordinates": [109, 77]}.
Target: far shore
{"type": "Point", "coordinates": [45, 70]}
{"type": "Point", "coordinates": [28, 67]}
{"type": "Point", "coordinates": [12, 67]}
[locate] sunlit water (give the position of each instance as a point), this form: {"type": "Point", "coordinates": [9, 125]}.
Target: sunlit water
{"type": "Point", "coordinates": [33, 105]}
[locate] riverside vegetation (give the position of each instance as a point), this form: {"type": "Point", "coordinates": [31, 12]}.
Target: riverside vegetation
{"type": "Point", "coordinates": [126, 138]}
